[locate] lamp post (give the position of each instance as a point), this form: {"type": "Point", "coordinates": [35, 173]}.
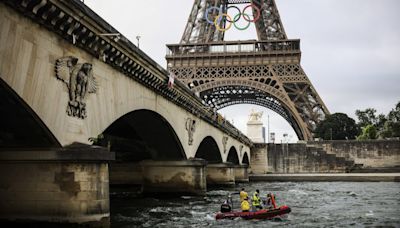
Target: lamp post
{"type": "Point", "coordinates": [138, 38]}
{"type": "Point", "coordinates": [268, 128]}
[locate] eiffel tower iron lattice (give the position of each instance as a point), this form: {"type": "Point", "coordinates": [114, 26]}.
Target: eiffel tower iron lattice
{"type": "Point", "coordinates": [265, 72]}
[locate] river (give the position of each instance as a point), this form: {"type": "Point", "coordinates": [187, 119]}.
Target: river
{"type": "Point", "coordinates": [313, 204]}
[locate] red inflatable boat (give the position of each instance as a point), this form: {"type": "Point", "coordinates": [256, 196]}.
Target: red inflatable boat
{"type": "Point", "coordinates": [261, 214]}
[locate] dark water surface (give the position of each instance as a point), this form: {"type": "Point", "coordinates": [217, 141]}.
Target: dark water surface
{"type": "Point", "coordinates": [313, 204]}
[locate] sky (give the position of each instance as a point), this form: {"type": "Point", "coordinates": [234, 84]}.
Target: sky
{"type": "Point", "coordinates": [350, 48]}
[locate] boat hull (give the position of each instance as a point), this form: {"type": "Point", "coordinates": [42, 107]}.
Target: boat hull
{"type": "Point", "coordinates": [261, 214]}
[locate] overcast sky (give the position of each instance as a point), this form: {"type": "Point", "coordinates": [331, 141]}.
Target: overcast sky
{"type": "Point", "coordinates": [350, 48]}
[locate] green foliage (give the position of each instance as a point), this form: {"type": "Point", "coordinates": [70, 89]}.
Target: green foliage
{"type": "Point", "coordinates": [366, 117]}
{"type": "Point", "coordinates": [380, 122]}
{"type": "Point", "coordinates": [368, 132]}
{"type": "Point", "coordinates": [96, 140]}
{"type": "Point", "coordinates": [337, 126]}
{"type": "Point", "coordinates": [390, 130]}
{"type": "Point", "coordinates": [394, 115]}
{"type": "Point", "coordinates": [385, 126]}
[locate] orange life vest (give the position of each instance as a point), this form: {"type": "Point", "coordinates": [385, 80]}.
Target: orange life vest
{"type": "Point", "coordinates": [273, 200]}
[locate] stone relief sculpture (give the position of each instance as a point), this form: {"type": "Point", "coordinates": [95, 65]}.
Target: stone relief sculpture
{"type": "Point", "coordinates": [224, 142]}
{"type": "Point", "coordinates": [241, 150]}
{"type": "Point", "coordinates": [79, 80]}
{"type": "Point", "coordinates": [191, 128]}
{"type": "Point", "coordinates": [255, 116]}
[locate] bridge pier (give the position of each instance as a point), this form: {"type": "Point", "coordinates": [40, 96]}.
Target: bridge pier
{"type": "Point", "coordinates": [221, 174]}
{"type": "Point", "coordinates": [174, 177]}
{"type": "Point", "coordinates": [241, 173]}
{"type": "Point", "coordinates": [62, 186]}
{"type": "Point", "coordinates": [126, 174]}
{"type": "Point", "coordinates": [259, 158]}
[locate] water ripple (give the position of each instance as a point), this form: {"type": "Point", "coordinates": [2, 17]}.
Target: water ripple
{"type": "Point", "coordinates": [340, 204]}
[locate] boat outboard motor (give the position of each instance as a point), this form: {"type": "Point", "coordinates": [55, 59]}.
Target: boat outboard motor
{"type": "Point", "coordinates": [225, 207]}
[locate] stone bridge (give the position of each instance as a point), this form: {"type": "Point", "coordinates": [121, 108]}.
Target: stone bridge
{"type": "Point", "coordinates": [66, 76]}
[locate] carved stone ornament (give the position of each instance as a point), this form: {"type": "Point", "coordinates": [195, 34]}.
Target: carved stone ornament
{"type": "Point", "coordinates": [191, 128]}
{"type": "Point", "coordinates": [241, 150]}
{"type": "Point", "coordinates": [224, 142]}
{"type": "Point", "coordinates": [255, 116]}
{"type": "Point", "coordinates": [79, 80]}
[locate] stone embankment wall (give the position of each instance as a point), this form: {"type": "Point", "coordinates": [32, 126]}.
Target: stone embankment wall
{"type": "Point", "coordinates": [334, 157]}
{"type": "Point", "coordinates": [300, 158]}
{"type": "Point", "coordinates": [372, 154]}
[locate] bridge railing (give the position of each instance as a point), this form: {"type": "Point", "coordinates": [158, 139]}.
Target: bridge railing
{"type": "Point", "coordinates": [232, 47]}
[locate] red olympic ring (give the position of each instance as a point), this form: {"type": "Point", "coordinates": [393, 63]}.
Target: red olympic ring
{"type": "Point", "coordinates": [257, 15]}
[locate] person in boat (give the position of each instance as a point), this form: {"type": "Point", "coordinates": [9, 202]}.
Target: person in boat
{"type": "Point", "coordinates": [243, 195]}
{"type": "Point", "coordinates": [270, 201]}
{"type": "Point", "coordinates": [226, 205]}
{"type": "Point", "coordinates": [245, 205]}
{"type": "Point", "coordinates": [256, 200]}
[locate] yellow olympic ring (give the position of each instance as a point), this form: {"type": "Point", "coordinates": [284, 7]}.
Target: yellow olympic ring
{"type": "Point", "coordinates": [216, 21]}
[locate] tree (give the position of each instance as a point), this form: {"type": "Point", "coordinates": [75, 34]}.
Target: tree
{"type": "Point", "coordinates": [380, 121]}
{"type": "Point", "coordinates": [390, 130]}
{"type": "Point", "coordinates": [337, 126]}
{"type": "Point", "coordinates": [368, 132]}
{"type": "Point", "coordinates": [366, 117]}
{"type": "Point", "coordinates": [394, 115]}
{"type": "Point", "coordinates": [391, 127]}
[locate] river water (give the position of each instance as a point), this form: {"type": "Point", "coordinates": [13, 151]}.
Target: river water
{"type": "Point", "coordinates": [313, 204]}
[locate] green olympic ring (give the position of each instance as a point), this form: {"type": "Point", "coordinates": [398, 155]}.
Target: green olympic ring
{"type": "Point", "coordinates": [245, 27]}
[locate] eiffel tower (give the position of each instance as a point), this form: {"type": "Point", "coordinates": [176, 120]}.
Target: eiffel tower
{"type": "Point", "coordinates": [265, 72]}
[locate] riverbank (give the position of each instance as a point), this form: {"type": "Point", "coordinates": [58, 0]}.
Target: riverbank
{"type": "Point", "coordinates": [319, 177]}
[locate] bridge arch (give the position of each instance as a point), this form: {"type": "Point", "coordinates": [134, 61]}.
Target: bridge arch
{"type": "Point", "coordinates": [143, 134]}
{"type": "Point", "coordinates": [219, 95]}
{"type": "Point", "coordinates": [233, 156]}
{"type": "Point", "coordinates": [16, 118]}
{"type": "Point", "coordinates": [209, 150]}
{"type": "Point", "coordinates": [245, 159]}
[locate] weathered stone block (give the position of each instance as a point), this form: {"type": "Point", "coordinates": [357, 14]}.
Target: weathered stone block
{"type": "Point", "coordinates": [241, 174]}
{"type": "Point", "coordinates": [177, 177]}
{"type": "Point", "coordinates": [221, 174]}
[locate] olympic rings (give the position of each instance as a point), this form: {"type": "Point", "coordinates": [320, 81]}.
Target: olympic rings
{"type": "Point", "coordinates": [217, 20]}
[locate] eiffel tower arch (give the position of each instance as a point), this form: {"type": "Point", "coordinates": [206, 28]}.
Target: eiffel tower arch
{"type": "Point", "coordinates": [265, 72]}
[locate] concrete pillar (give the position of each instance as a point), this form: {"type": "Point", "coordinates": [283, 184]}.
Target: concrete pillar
{"type": "Point", "coordinates": [241, 173]}
{"type": "Point", "coordinates": [65, 186]}
{"type": "Point", "coordinates": [221, 174]}
{"type": "Point", "coordinates": [259, 158]}
{"type": "Point", "coordinates": [126, 173]}
{"type": "Point", "coordinates": [177, 177]}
